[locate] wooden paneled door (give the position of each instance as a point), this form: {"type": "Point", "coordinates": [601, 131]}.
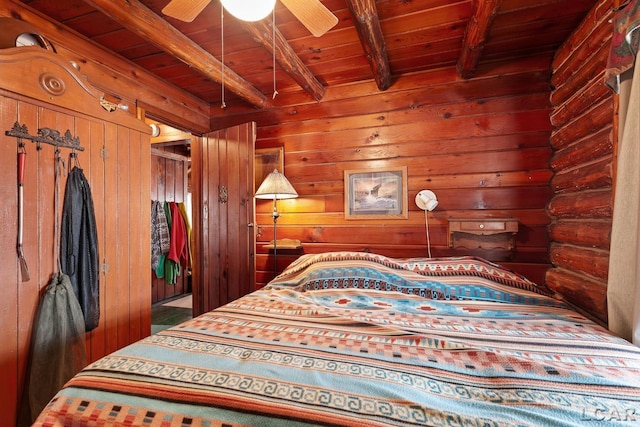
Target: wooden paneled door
{"type": "Point", "coordinates": [223, 216]}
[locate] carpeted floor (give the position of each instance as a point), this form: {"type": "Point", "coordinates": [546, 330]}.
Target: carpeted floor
{"type": "Point", "coordinates": [170, 313]}
{"type": "Point", "coordinates": [183, 302]}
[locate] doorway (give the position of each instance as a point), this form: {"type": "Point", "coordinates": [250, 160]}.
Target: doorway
{"type": "Point", "coordinates": [217, 177]}
{"type": "Point", "coordinates": [171, 219]}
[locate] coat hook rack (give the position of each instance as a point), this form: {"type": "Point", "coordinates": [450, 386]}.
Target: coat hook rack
{"type": "Point", "coordinates": [46, 136]}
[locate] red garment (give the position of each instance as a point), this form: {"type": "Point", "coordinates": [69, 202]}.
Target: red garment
{"type": "Point", "coordinates": [179, 248]}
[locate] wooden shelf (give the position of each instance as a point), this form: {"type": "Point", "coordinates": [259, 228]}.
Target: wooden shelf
{"type": "Point", "coordinates": [487, 233]}
{"type": "Point", "coordinates": [285, 244]}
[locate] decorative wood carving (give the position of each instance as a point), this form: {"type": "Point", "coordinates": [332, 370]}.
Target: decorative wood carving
{"type": "Point", "coordinates": [49, 78]}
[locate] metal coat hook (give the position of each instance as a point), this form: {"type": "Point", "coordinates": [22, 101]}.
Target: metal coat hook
{"type": "Point", "coordinates": [46, 136]}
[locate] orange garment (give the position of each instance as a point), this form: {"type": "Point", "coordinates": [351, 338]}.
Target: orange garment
{"type": "Point", "coordinates": [179, 248]}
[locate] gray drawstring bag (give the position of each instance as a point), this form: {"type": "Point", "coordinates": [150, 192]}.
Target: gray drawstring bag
{"type": "Point", "coordinates": [58, 349]}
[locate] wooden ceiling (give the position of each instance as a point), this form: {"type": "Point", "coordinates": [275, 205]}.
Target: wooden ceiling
{"type": "Point", "coordinates": [390, 38]}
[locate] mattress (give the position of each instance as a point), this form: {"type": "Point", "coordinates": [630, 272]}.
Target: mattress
{"type": "Point", "coordinates": [359, 339]}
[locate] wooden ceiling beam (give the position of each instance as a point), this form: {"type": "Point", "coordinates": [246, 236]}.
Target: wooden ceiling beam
{"type": "Point", "coordinates": [476, 35]}
{"type": "Point", "coordinates": [367, 23]}
{"type": "Point", "coordinates": [136, 17]}
{"type": "Point", "coordinates": [286, 57]}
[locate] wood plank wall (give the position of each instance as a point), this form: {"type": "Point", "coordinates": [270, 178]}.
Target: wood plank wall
{"type": "Point", "coordinates": [481, 145]}
{"type": "Point", "coordinates": [116, 162]}
{"type": "Point", "coordinates": [168, 184]}
{"type": "Point", "coordinates": [583, 144]}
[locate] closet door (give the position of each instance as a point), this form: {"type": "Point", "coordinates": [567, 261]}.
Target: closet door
{"type": "Point", "coordinates": [223, 206]}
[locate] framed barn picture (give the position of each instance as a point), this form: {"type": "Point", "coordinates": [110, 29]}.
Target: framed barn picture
{"type": "Point", "coordinates": [376, 193]}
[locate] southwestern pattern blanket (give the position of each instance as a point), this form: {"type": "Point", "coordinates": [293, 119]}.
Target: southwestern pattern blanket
{"type": "Point", "coordinates": [365, 340]}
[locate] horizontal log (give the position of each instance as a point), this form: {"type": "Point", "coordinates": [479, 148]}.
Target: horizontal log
{"type": "Point", "coordinates": [601, 14]}
{"type": "Point", "coordinates": [575, 52]}
{"type": "Point", "coordinates": [583, 204]}
{"type": "Point", "coordinates": [588, 233]}
{"type": "Point", "coordinates": [586, 177]}
{"type": "Point", "coordinates": [598, 118]}
{"type": "Point", "coordinates": [583, 73]}
{"type": "Point", "coordinates": [591, 262]}
{"type": "Point", "coordinates": [597, 145]}
{"type": "Point", "coordinates": [593, 93]}
{"type": "Point", "coordinates": [587, 294]}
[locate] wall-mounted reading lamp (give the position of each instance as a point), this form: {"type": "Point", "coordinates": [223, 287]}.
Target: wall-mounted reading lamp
{"type": "Point", "coordinates": [427, 201]}
{"type": "Point", "coordinates": [275, 186]}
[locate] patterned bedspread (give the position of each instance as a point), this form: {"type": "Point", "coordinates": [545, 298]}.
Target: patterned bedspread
{"type": "Point", "coordinates": [365, 340]}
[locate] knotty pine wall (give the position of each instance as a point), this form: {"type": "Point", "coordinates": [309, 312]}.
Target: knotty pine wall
{"type": "Point", "coordinates": [116, 163]}
{"type": "Point", "coordinates": [481, 145]}
{"type": "Point", "coordinates": [583, 138]}
{"type": "Point", "coordinates": [168, 184]}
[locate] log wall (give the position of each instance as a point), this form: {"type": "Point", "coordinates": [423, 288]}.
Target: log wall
{"type": "Point", "coordinates": [582, 162]}
{"type": "Point", "coordinates": [481, 145]}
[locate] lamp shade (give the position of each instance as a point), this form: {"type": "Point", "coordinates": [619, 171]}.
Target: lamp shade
{"type": "Point", "coordinates": [426, 200]}
{"type": "Point", "coordinates": [249, 10]}
{"type": "Point", "coordinates": [276, 186]}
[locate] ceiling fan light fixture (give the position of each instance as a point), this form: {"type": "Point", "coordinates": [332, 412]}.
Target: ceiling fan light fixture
{"type": "Point", "coordinates": [249, 10]}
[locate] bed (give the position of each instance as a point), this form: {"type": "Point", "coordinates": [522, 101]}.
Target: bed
{"type": "Point", "coordinates": [360, 339]}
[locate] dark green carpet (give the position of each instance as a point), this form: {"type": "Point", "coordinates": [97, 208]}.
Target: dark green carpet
{"type": "Point", "coordinates": [163, 316]}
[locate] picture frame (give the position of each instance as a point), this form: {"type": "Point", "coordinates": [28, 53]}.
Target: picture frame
{"type": "Point", "coordinates": [376, 193]}
{"type": "Point", "coordinates": [266, 160]}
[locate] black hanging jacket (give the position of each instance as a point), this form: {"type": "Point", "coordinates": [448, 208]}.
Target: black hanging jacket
{"type": "Point", "coordinates": [79, 246]}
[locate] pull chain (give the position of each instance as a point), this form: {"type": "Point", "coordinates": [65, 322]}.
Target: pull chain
{"type": "Point", "coordinates": [223, 105]}
{"type": "Point", "coordinates": [273, 41]}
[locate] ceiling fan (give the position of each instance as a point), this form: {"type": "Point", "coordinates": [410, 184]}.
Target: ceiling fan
{"type": "Point", "coordinates": [311, 13]}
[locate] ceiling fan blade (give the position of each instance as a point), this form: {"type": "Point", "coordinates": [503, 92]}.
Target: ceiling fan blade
{"type": "Point", "coordinates": [185, 10]}
{"type": "Point", "coordinates": [312, 14]}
